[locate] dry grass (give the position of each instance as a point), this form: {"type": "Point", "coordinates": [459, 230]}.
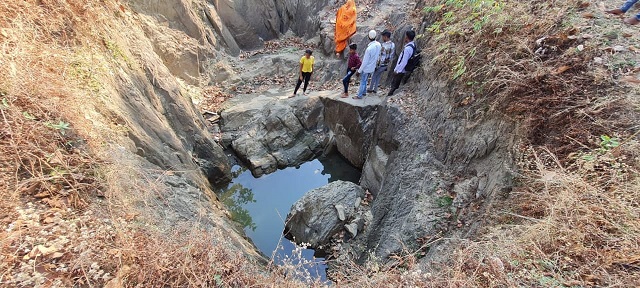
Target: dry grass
{"type": "Point", "coordinates": [570, 227]}
{"type": "Point", "coordinates": [531, 61]}
{"type": "Point", "coordinates": [71, 216]}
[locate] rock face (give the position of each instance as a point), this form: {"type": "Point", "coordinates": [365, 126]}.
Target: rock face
{"type": "Point", "coordinates": [413, 163]}
{"type": "Point", "coordinates": [322, 212]}
{"type": "Point", "coordinates": [253, 21]}
{"type": "Point", "coordinates": [352, 126]}
{"type": "Point", "coordinates": [163, 124]}
{"type": "Point", "coordinates": [268, 133]}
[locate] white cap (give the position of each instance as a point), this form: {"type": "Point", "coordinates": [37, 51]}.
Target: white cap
{"type": "Point", "coordinates": [372, 34]}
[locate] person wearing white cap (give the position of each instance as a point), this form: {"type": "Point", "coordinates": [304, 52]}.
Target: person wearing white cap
{"type": "Point", "coordinates": [369, 62]}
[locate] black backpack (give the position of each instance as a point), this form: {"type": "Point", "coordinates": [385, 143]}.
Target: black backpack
{"type": "Point", "coordinates": [415, 59]}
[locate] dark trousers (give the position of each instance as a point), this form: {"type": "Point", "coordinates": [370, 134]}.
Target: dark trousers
{"type": "Point", "coordinates": [347, 79]}
{"type": "Point", "coordinates": [306, 76]}
{"type": "Point", "coordinates": [395, 83]}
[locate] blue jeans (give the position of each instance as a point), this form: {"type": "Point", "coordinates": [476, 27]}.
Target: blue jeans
{"type": "Point", "coordinates": [347, 79]}
{"type": "Point", "coordinates": [363, 84]}
{"type": "Point", "coordinates": [627, 5]}
{"type": "Point", "coordinates": [375, 79]}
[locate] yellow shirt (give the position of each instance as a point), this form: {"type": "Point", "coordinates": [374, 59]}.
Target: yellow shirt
{"type": "Point", "coordinates": [307, 64]}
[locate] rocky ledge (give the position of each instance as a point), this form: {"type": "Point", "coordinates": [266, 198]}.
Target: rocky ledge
{"type": "Point", "coordinates": [270, 131]}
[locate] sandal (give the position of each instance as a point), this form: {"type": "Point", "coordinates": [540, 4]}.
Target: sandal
{"type": "Point", "coordinates": [344, 95]}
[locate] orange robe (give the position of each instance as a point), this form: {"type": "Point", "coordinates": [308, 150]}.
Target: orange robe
{"type": "Point", "coordinates": [345, 25]}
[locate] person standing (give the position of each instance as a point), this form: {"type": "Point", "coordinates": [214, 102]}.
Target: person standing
{"type": "Point", "coordinates": [345, 25]}
{"type": "Point", "coordinates": [352, 66]}
{"type": "Point", "coordinates": [369, 61]}
{"type": "Point", "coordinates": [306, 69]}
{"type": "Point", "coordinates": [387, 53]}
{"type": "Point", "coordinates": [625, 7]}
{"type": "Point", "coordinates": [399, 72]}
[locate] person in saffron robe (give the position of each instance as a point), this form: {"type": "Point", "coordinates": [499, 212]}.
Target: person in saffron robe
{"type": "Point", "coordinates": [345, 25]}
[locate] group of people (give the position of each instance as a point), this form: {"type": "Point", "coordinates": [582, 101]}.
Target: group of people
{"type": "Point", "coordinates": [376, 60]}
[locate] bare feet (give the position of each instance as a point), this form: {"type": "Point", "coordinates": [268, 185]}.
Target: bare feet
{"type": "Point", "coordinates": [615, 12]}
{"type": "Point", "coordinates": [632, 21]}
{"type": "Point", "coordinates": [294, 95]}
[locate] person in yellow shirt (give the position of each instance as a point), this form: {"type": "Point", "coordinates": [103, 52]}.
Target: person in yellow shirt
{"type": "Point", "coordinates": [306, 69]}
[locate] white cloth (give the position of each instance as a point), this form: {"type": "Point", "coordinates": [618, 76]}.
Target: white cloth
{"type": "Point", "coordinates": [404, 57]}
{"type": "Point", "coordinates": [370, 60]}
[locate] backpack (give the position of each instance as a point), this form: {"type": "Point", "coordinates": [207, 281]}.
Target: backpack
{"type": "Point", "coordinates": [414, 60]}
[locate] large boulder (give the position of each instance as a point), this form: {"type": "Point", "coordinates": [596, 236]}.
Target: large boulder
{"type": "Point", "coordinates": [352, 123]}
{"type": "Point", "coordinates": [268, 133]}
{"type": "Point", "coordinates": [322, 212]}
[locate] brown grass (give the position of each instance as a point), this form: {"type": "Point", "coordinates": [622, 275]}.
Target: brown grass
{"type": "Point", "coordinates": [523, 62]}
{"type": "Point", "coordinates": [70, 212]}
{"type": "Point", "coordinates": [570, 226]}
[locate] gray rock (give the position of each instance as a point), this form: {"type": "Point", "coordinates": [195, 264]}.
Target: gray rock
{"type": "Point", "coordinates": [314, 218]}
{"type": "Point", "coordinates": [374, 169]}
{"type": "Point", "coordinates": [249, 20]}
{"type": "Point", "coordinates": [465, 191]}
{"type": "Point", "coordinates": [222, 30]}
{"type": "Point", "coordinates": [267, 133]}
{"type": "Point", "coordinates": [352, 125]}
{"type": "Point", "coordinates": [340, 211]}
{"type": "Point", "coordinates": [352, 228]}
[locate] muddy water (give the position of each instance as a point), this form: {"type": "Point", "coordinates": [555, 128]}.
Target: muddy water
{"type": "Point", "coordinates": [261, 205]}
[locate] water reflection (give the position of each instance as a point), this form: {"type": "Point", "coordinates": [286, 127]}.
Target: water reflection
{"type": "Point", "coordinates": [236, 197]}
{"type": "Point", "coordinates": [261, 204]}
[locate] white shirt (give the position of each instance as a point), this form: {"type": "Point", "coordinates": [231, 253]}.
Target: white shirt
{"type": "Point", "coordinates": [370, 59]}
{"type": "Point", "coordinates": [404, 58]}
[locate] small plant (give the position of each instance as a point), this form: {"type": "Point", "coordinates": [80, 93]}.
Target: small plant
{"type": "Point", "coordinates": [444, 201]}
{"type": "Point", "coordinates": [608, 143]}
{"type": "Point", "coordinates": [60, 126]}
{"type": "Point", "coordinates": [459, 68]}
{"type": "Point", "coordinates": [28, 116]}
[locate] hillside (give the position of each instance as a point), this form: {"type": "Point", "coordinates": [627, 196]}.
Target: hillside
{"type": "Point", "coordinates": [509, 159]}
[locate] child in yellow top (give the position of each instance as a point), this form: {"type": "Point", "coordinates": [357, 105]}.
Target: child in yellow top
{"type": "Point", "coordinates": [306, 68]}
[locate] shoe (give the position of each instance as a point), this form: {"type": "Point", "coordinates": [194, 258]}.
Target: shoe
{"type": "Point", "coordinates": [356, 97]}
{"type": "Point", "coordinates": [344, 95]}
{"type": "Point", "coordinates": [615, 12]}
{"type": "Point", "coordinates": [374, 91]}
{"type": "Point", "coordinates": [632, 21]}
{"type": "Point", "coordinates": [370, 91]}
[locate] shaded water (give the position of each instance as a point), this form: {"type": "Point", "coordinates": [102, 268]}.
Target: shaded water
{"type": "Point", "coordinates": [261, 205]}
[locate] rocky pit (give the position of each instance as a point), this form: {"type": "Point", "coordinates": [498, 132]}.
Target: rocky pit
{"type": "Point", "coordinates": [430, 169]}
